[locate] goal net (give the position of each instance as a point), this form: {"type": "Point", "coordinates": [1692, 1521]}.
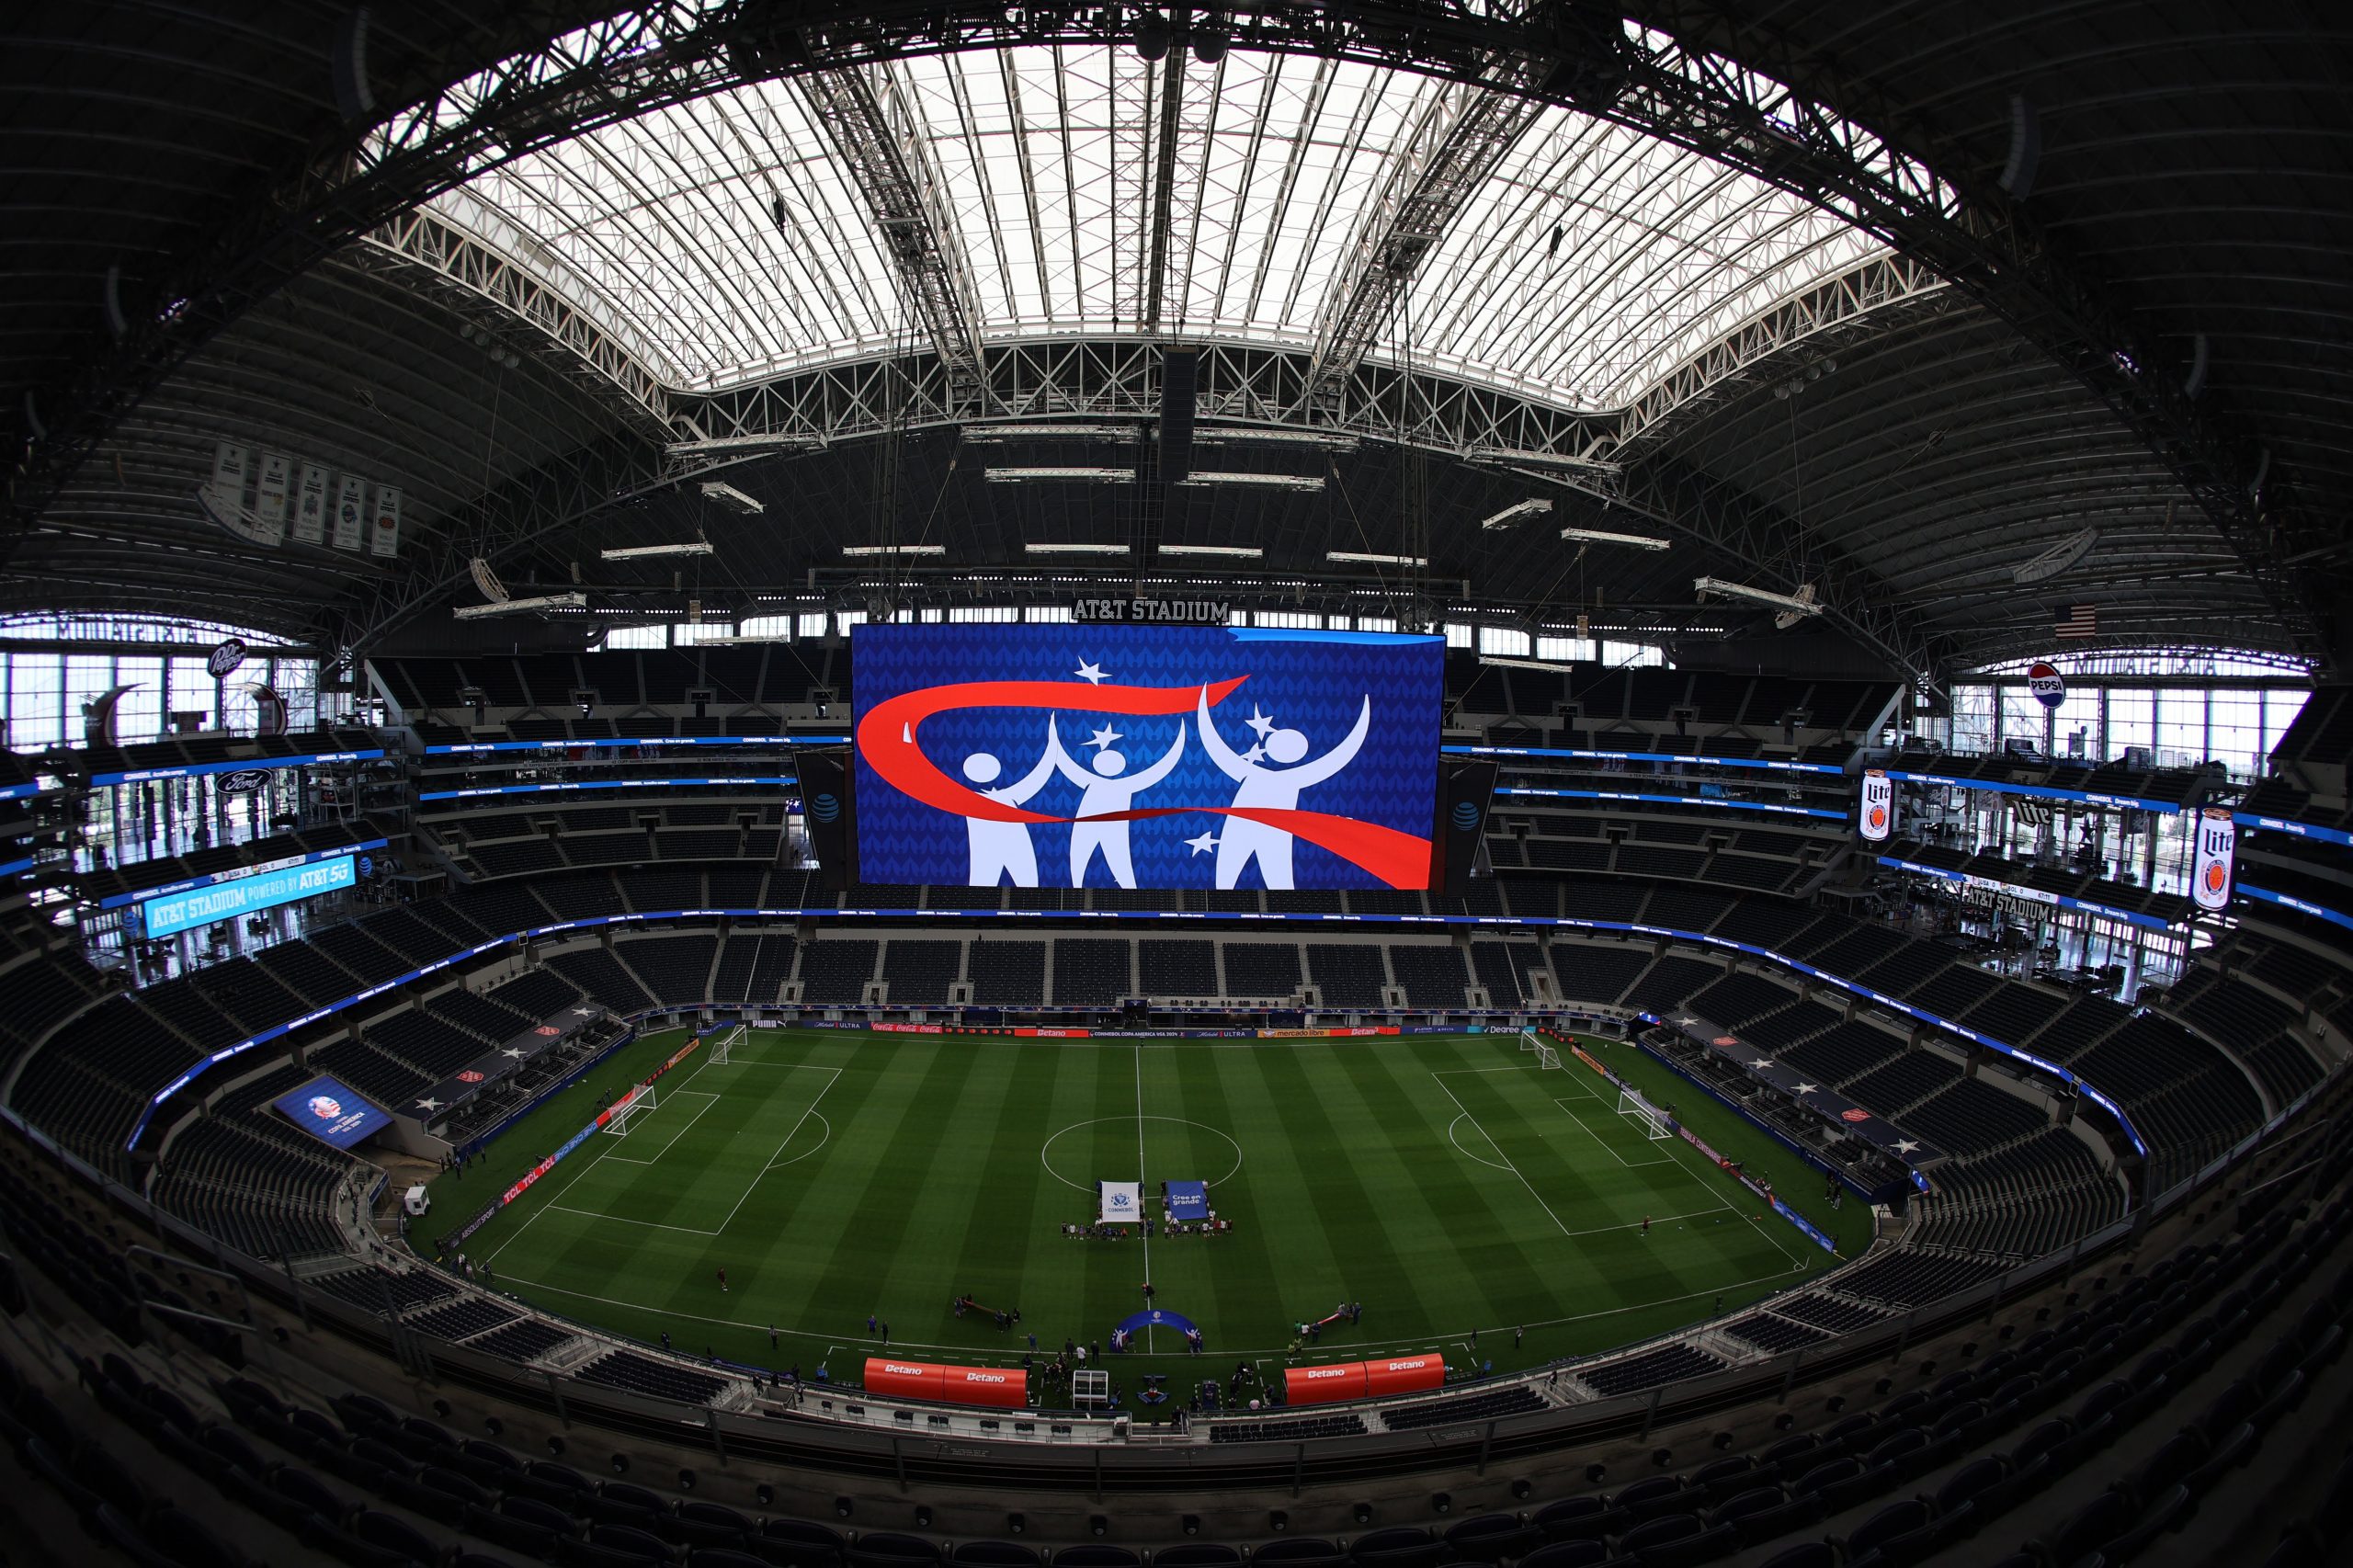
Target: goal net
{"type": "Point", "coordinates": [1546, 1055]}
{"type": "Point", "coordinates": [631, 1105]}
{"type": "Point", "coordinates": [722, 1044]}
{"type": "Point", "coordinates": [1648, 1118]}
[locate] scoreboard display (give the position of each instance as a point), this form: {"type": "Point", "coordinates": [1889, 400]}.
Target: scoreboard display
{"type": "Point", "coordinates": [1145, 757]}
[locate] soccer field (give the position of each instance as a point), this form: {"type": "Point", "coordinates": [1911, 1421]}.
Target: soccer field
{"type": "Point", "coordinates": [1445, 1182]}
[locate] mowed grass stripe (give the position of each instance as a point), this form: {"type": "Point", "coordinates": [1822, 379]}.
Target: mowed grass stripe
{"type": "Point", "coordinates": [1358, 1192]}
{"type": "Point", "coordinates": [1465, 1240]}
{"type": "Point", "coordinates": [1502, 1259]}
{"type": "Point", "coordinates": [930, 1182]}
{"type": "Point", "coordinates": [1227, 1282]}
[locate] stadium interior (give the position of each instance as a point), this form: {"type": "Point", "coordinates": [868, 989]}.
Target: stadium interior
{"type": "Point", "coordinates": [1859, 490]}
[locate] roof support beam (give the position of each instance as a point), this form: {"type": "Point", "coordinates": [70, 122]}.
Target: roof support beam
{"type": "Point", "coordinates": [1851, 156]}
{"type": "Point", "coordinates": [865, 112]}
{"type": "Point", "coordinates": [1461, 137]}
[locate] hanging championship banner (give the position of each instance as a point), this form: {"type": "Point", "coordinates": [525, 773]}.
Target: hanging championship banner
{"type": "Point", "coordinates": [2216, 850]}
{"type": "Point", "coordinates": [384, 539]}
{"type": "Point", "coordinates": [223, 498]}
{"type": "Point", "coordinates": [1878, 806]}
{"type": "Point", "coordinates": [311, 506]}
{"type": "Point", "coordinates": [351, 512]}
{"type": "Point", "coordinates": [229, 462]}
{"type": "Point", "coordinates": [270, 492]}
{"type": "Point", "coordinates": [2044, 679]}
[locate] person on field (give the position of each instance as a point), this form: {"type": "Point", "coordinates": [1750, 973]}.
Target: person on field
{"type": "Point", "coordinates": [723, 1277]}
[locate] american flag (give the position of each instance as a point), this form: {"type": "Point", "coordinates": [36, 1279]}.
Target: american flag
{"type": "Point", "coordinates": [2083, 620]}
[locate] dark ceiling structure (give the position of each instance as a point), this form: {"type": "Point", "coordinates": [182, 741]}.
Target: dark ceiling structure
{"type": "Point", "coordinates": [1885, 304]}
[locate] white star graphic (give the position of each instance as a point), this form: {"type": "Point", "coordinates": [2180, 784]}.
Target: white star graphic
{"type": "Point", "coordinates": [515, 1052]}
{"type": "Point", "coordinates": [1255, 754]}
{"type": "Point", "coordinates": [1202, 844]}
{"type": "Point", "coordinates": [1808, 1088]}
{"type": "Point", "coordinates": [1091, 673]}
{"type": "Point", "coordinates": [1905, 1145]}
{"type": "Point", "coordinates": [1687, 1020]}
{"type": "Point", "coordinates": [429, 1104]}
{"type": "Point", "coordinates": [1260, 724]}
{"type": "Point", "coordinates": [1102, 737]}
{"type": "Point", "coordinates": [1762, 1062]}
{"type": "Point", "coordinates": [583, 1012]}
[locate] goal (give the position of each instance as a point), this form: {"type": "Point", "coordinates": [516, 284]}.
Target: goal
{"type": "Point", "coordinates": [724, 1043]}
{"type": "Point", "coordinates": [1546, 1056]}
{"type": "Point", "coordinates": [630, 1107]}
{"type": "Point", "coordinates": [1646, 1115]}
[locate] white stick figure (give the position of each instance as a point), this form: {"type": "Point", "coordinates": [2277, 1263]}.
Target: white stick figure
{"type": "Point", "coordinates": [1106, 790]}
{"type": "Point", "coordinates": [1274, 789]}
{"type": "Point", "coordinates": [1002, 849]}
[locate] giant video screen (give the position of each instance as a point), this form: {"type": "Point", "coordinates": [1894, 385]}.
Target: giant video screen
{"type": "Point", "coordinates": [184, 911]}
{"type": "Point", "coordinates": [1141, 756]}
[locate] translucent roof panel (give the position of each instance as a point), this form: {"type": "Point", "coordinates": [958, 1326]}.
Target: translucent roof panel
{"type": "Point", "coordinates": [664, 228]}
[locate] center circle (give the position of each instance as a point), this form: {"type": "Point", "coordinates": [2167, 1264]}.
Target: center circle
{"type": "Point", "coordinates": [1046, 1149]}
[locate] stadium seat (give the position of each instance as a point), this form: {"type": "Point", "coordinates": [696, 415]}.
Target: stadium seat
{"type": "Point", "coordinates": [1297, 1549]}
{"type": "Point", "coordinates": [1185, 1555]}
{"type": "Point", "coordinates": [1687, 1552]}
{"type": "Point", "coordinates": [1805, 1554]}
{"type": "Point", "coordinates": [394, 1537]}
{"type": "Point", "coordinates": [1101, 1554]}
{"type": "Point", "coordinates": [505, 1529]}
{"type": "Point", "coordinates": [1491, 1538]}
{"type": "Point", "coordinates": [1564, 1554]}
{"type": "Point", "coordinates": [995, 1554]}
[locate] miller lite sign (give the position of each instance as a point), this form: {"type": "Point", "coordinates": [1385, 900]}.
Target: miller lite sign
{"type": "Point", "coordinates": [2044, 679]}
{"type": "Point", "coordinates": [1878, 806]}
{"type": "Point", "coordinates": [2217, 845]}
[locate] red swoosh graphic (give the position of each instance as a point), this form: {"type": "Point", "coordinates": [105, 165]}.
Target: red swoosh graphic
{"type": "Point", "coordinates": [886, 740]}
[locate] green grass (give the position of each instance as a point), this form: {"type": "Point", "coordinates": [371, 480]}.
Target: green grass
{"type": "Point", "coordinates": [1441, 1180]}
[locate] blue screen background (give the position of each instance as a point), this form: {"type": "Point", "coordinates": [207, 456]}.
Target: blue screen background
{"type": "Point", "coordinates": [1314, 682]}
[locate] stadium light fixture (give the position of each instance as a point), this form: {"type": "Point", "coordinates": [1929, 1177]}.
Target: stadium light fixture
{"type": "Point", "coordinates": [1603, 536]}
{"type": "Point", "coordinates": [522, 607]}
{"type": "Point", "coordinates": [894, 550]}
{"type": "Point", "coordinates": [1534, 506]}
{"type": "Point", "coordinates": [645, 552]}
{"type": "Point", "coordinates": [994, 435]}
{"type": "Point", "coordinates": [1256, 481]}
{"type": "Point", "coordinates": [1787, 602]}
{"type": "Point", "coordinates": [1358, 558]}
{"type": "Point", "coordinates": [1076, 549]}
{"type": "Point", "coordinates": [1235, 551]}
{"type": "Point", "coordinates": [1059, 475]}
{"type": "Point", "coordinates": [732, 499]}
{"type": "Point", "coordinates": [722, 446]}
{"type": "Point", "coordinates": [1541, 459]}
{"type": "Point", "coordinates": [1239, 434]}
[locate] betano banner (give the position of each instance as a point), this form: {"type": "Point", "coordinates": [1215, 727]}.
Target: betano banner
{"type": "Point", "coordinates": [1119, 1202]}
{"type": "Point", "coordinates": [1363, 1379]}
{"type": "Point", "coordinates": [1001, 1387]}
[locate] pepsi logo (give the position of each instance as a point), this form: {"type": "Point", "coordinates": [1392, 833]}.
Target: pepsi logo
{"type": "Point", "coordinates": [326, 1108]}
{"type": "Point", "coordinates": [825, 808]}
{"type": "Point", "coordinates": [1465, 816]}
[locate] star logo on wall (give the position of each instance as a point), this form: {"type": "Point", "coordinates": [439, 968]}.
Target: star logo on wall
{"type": "Point", "coordinates": [1103, 737]}
{"type": "Point", "coordinates": [1202, 844]}
{"type": "Point", "coordinates": [1808, 1088]}
{"type": "Point", "coordinates": [1261, 725]}
{"type": "Point", "coordinates": [1091, 673]}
